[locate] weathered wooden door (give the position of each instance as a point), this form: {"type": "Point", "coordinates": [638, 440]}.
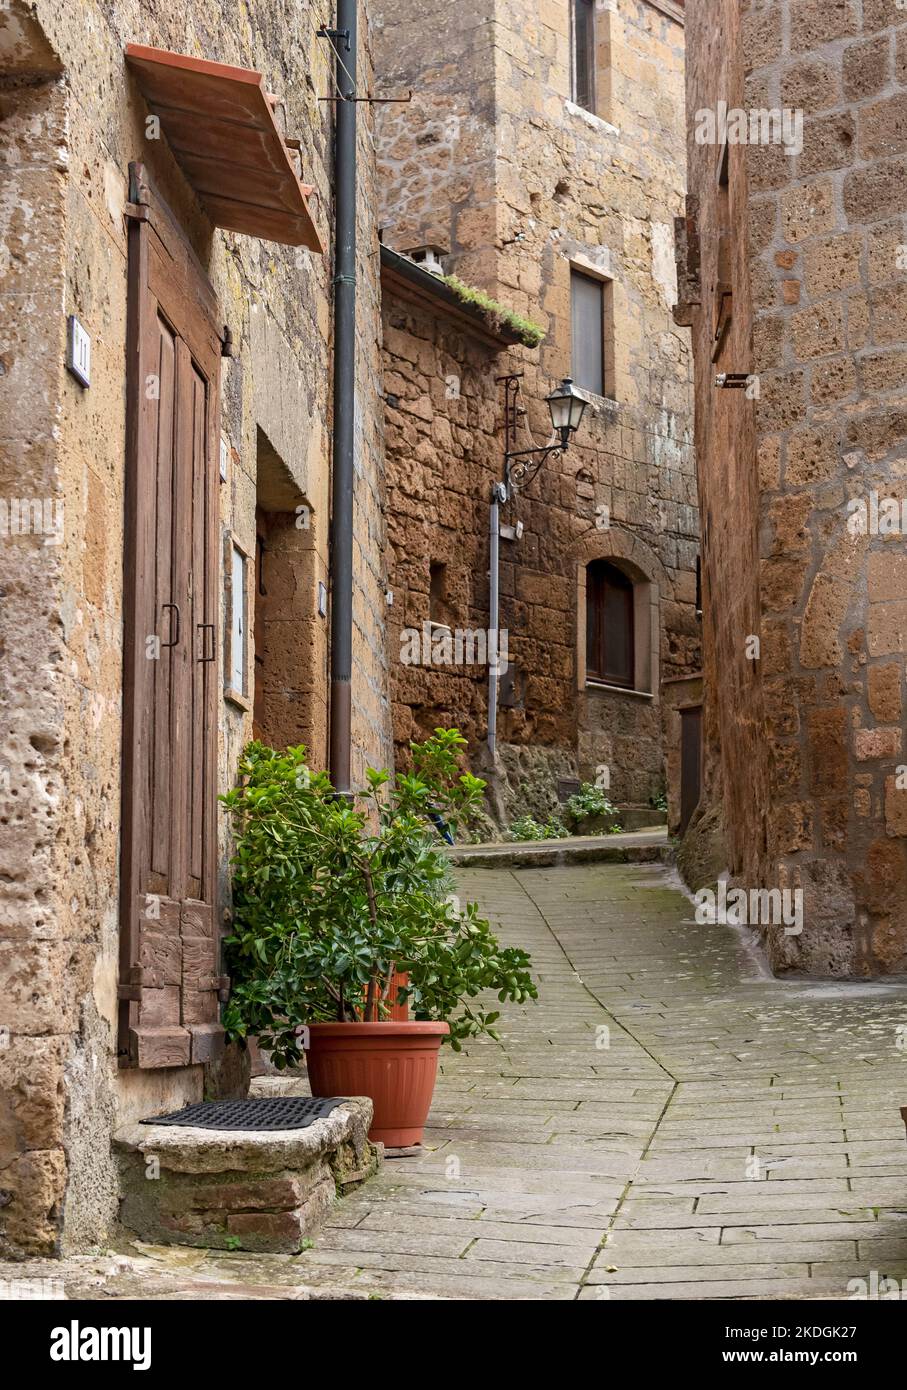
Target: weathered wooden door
{"type": "Point", "coordinates": [169, 939]}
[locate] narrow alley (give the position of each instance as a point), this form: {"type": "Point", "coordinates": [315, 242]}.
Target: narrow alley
{"type": "Point", "coordinates": [667, 1121]}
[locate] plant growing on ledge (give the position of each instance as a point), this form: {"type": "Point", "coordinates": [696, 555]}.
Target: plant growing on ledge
{"type": "Point", "coordinates": [530, 333]}
{"type": "Point", "coordinates": [341, 911]}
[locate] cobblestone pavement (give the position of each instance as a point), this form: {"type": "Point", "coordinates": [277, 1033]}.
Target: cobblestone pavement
{"type": "Point", "coordinates": [667, 1122]}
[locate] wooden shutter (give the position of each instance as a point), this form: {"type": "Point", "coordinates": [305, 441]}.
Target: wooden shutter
{"type": "Point", "coordinates": [610, 644]}
{"type": "Point", "coordinates": [169, 941]}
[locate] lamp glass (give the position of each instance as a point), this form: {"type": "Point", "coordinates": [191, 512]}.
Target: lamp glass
{"type": "Point", "coordinates": [566, 406]}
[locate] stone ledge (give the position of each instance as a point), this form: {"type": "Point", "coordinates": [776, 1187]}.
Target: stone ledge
{"type": "Point", "coordinates": [241, 1190]}
{"type": "Point", "coordinates": [184, 1149]}
{"type": "Point", "coordinates": [636, 847]}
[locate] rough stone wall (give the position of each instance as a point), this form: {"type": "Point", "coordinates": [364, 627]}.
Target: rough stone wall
{"type": "Point", "coordinates": [37, 952]}
{"type": "Point", "coordinates": [516, 183]}
{"type": "Point", "coordinates": [443, 455]}
{"type": "Point", "coordinates": [811, 734]}
{"type": "Point", "coordinates": [437, 154]}
{"type": "Point", "coordinates": [68, 144]}
{"type": "Point", "coordinates": [372, 738]}
{"type": "Point", "coordinates": [734, 716]}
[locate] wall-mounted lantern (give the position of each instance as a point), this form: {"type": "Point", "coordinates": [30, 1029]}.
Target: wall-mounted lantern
{"type": "Point", "coordinates": [566, 405]}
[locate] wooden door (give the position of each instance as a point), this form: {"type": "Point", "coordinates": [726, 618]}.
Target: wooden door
{"type": "Point", "coordinates": [169, 943]}
{"type": "Point", "coordinates": [690, 763]}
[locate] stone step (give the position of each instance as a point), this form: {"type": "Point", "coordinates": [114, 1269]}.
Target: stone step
{"type": "Point", "coordinates": [241, 1189]}
{"type": "Point", "coordinates": [634, 847]}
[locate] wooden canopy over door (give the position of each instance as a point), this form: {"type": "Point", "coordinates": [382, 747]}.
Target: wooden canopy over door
{"type": "Point", "coordinates": [169, 939]}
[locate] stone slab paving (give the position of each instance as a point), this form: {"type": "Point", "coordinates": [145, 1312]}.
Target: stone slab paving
{"type": "Point", "coordinates": [667, 1121]}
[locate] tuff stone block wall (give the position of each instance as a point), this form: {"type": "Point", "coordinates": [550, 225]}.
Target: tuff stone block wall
{"type": "Point", "coordinates": [73, 120]}
{"type": "Point", "coordinates": [35, 955]}
{"type": "Point", "coordinates": [442, 457]}
{"type": "Point", "coordinates": [811, 733]}
{"type": "Point", "coordinates": [494, 163]}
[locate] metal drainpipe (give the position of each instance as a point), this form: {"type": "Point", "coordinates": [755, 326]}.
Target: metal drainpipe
{"type": "Point", "coordinates": [494, 615]}
{"type": "Point", "coordinates": [344, 402]}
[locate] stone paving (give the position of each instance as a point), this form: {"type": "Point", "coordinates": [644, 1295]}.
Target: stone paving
{"type": "Point", "coordinates": [667, 1122]}
{"type": "Point", "coordinates": [738, 1136]}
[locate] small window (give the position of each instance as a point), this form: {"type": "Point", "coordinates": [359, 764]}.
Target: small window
{"type": "Point", "coordinates": [724, 289]}
{"type": "Point", "coordinates": [610, 642]}
{"type": "Point", "coordinates": [437, 595]}
{"type": "Point", "coordinates": [583, 75]}
{"type": "Point", "coordinates": [587, 313]}
{"type": "Point", "coordinates": [236, 646]}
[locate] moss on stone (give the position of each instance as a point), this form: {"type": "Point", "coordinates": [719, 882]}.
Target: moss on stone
{"type": "Point", "coordinates": [531, 334]}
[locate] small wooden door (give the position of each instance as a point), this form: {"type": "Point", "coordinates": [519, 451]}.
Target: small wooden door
{"type": "Point", "coordinates": [169, 939]}
{"type": "Point", "coordinates": [690, 763]}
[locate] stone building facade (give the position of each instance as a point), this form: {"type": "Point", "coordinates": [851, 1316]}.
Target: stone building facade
{"type": "Point", "coordinates": [793, 274]}
{"type": "Point", "coordinates": [546, 170]}
{"type": "Point", "coordinates": [89, 173]}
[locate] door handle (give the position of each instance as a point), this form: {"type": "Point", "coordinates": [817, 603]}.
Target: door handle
{"type": "Point", "coordinates": [203, 628]}
{"type": "Point", "coordinates": [174, 624]}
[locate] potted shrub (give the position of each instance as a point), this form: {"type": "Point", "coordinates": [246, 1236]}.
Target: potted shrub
{"type": "Point", "coordinates": [339, 902]}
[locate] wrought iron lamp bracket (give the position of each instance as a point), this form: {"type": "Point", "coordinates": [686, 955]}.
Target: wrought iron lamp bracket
{"type": "Point", "coordinates": [522, 466]}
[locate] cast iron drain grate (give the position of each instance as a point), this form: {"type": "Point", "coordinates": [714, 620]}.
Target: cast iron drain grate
{"type": "Point", "coordinates": [258, 1113]}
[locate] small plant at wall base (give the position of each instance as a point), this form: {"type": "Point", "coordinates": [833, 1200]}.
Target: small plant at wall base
{"type": "Point", "coordinates": [527, 828]}
{"type": "Point", "coordinates": [340, 905]}
{"type": "Point", "coordinates": [590, 812]}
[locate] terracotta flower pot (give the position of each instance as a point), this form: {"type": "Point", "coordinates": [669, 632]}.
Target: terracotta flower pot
{"type": "Point", "coordinates": [393, 1063]}
{"type": "Point", "coordinates": [399, 1012]}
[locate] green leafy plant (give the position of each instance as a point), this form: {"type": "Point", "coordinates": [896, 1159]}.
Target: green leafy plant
{"type": "Point", "coordinates": [334, 896]}
{"type": "Point", "coordinates": [526, 828]}
{"type": "Point", "coordinates": [587, 803]}
{"type": "Point", "coordinates": [659, 802]}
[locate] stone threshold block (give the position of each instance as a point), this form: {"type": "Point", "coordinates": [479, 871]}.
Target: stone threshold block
{"type": "Point", "coordinates": [241, 1190]}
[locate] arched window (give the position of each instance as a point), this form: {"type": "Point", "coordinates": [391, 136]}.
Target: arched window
{"type": "Point", "coordinates": [610, 636]}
